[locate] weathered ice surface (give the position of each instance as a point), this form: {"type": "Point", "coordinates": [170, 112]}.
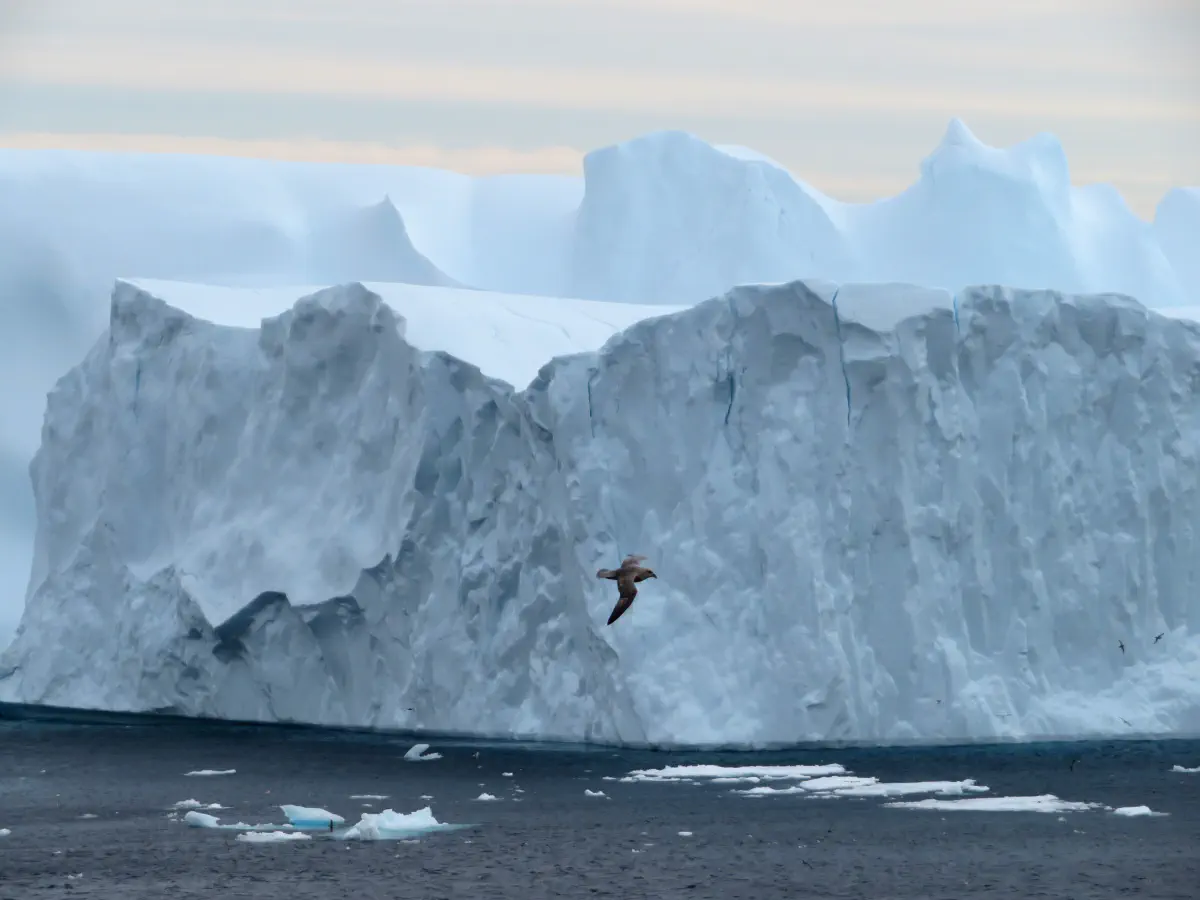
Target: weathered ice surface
{"type": "Point", "coordinates": [876, 512]}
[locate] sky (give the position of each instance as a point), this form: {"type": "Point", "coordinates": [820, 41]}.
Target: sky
{"type": "Point", "coordinates": [850, 95]}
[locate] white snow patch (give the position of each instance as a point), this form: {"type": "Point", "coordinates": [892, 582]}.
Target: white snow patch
{"type": "Point", "coordinates": [417, 753]}
{"type": "Point", "coordinates": [272, 837]}
{"type": "Point", "coordinates": [1044, 803]}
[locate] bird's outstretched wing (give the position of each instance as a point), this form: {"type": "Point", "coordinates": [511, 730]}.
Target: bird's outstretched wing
{"type": "Point", "coordinates": [610, 574]}
{"type": "Point", "coordinates": [628, 592]}
{"type": "Point", "coordinates": [631, 561]}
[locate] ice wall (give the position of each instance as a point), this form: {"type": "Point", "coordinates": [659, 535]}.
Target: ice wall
{"type": "Point", "coordinates": [876, 512]}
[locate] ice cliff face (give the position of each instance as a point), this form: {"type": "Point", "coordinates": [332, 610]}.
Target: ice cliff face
{"type": "Point", "coordinates": [875, 512]}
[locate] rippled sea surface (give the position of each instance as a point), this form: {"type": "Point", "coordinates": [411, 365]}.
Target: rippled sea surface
{"type": "Point", "coordinates": [89, 810]}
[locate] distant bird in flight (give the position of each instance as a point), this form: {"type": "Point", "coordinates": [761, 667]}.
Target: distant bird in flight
{"type": "Point", "coordinates": [1159, 637]}
{"type": "Point", "coordinates": [1121, 644]}
{"type": "Point", "coordinates": [626, 577]}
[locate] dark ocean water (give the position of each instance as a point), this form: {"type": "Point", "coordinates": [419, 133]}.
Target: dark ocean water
{"type": "Point", "coordinates": [551, 840]}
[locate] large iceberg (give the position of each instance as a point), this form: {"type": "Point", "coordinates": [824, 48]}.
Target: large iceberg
{"type": "Point", "coordinates": [662, 219]}
{"type": "Point", "coordinates": [877, 512]}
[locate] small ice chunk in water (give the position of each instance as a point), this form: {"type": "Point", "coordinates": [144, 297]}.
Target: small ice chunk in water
{"type": "Point", "coordinates": [310, 816]}
{"type": "Point", "coordinates": [486, 796]}
{"type": "Point", "coordinates": [1043, 803]}
{"type": "Point", "coordinates": [272, 837]}
{"type": "Point", "coordinates": [368, 796]}
{"type": "Point", "coordinates": [506, 774]}
{"type": "Point", "coordinates": [212, 772]}
{"type": "Point", "coordinates": [1136, 811]}
{"type": "Point", "coordinates": [416, 753]}
{"type": "Point", "coordinates": [677, 773]}
{"type": "Point", "coordinates": [685, 834]}
{"type": "Point", "coordinates": [89, 816]}
{"type": "Point", "coordinates": [195, 804]}
{"type": "Point", "coordinates": [594, 793]}
{"type": "Point", "coordinates": [1184, 769]}
{"type": "Point", "coordinates": [5, 832]}
{"type": "Point", "coordinates": [391, 825]}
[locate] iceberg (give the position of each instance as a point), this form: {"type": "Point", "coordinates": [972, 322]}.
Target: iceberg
{"type": "Point", "coordinates": [878, 512]}
{"type": "Point", "coordinates": [664, 219]}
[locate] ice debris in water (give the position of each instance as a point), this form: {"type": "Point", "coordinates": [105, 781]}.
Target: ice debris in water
{"type": "Point", "coordinates": [310, 816]}
{"type": "Point", "coordinates": [591, 793]}
{"type": "Point", "coordinates": [854, 786]}
{"type": "Point", "coordinates": [368, 796]}
{"type": "Point", "coordinates": [1186, 770]}
{"type": "Point", "coordinates": [391, 825]}
{"type": "Point", "coordinates": [1043, 803]}
{"type": "Point", "coordinates": [272, 837]}
{"type": "Point", "coordinates": [1133, 811]}
{"type": "Point", "coordinates": [732, 773]}
{"type": "Point", "coordinates": [417, 753]}
{"type": "Point", "coordinates": [5, 832]}
{"type": "Point", "coordinates": [685, 834]}
{"type": "Point", "coordinates": [196, 804]}
{"type": "Point", "coordinates": [486, 796]}
{"type": "Point", "coordinates": [212, 772]}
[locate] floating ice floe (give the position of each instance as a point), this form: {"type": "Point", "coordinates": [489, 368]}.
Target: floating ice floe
{"type": "Point", "coordinates": [5, 832]}
{"type": "Point", "coordinates": [1194, 771]}
{"type": "Point", "coordinates": [310, 816]}
{"type": "Point", "coordinates": [368, 796]}
{"type": "Point", "coordinates": [1043, 803]}
{"type": "Point", "coordinates": [212, 772]}
{"type": "Point", "coordinates": [486, 796]}
{"type": "Point", "coordinates": [732, 774]}
{"type": "Point", "coordinates": [195, 804]}
{"type": "Point", "coordinates": [855, 786]}
{"type": "Point", "coordinates": [591, 793]}
{"type": "Point", "coordinates": [391, 825]}
{"type": "Point", "coordinates": [416, 753]}
{"type": "Point", "coordinates": [272, 837]}
{"type": "Point", "coordinates": [1133, 811]}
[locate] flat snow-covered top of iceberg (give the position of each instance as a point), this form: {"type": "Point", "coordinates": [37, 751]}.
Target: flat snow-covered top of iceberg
{"type": "Point", "coordinates": [507, 336]}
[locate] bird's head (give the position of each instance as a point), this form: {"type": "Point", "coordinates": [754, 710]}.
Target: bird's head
{"type": "Point", "coordinates": [650, 574]}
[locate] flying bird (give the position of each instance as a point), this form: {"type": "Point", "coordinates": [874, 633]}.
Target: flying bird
{"type": "Point", "coordinates": [1159, 637]}
{"type": "Point", "coordinates": [1121, 644]}
{"type": "Point", "coordinates": [626, 578]}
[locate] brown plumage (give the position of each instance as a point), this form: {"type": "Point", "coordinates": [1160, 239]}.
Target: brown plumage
{"type": "Point", "coordinates": [626, 578]}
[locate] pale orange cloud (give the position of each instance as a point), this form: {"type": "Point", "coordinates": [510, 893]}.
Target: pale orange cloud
{"type": "Point", "coordinates": [482, 160]}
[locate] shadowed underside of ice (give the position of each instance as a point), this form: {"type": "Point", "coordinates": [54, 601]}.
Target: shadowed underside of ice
{"type": "Point", "coordinates": [875, 512]}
